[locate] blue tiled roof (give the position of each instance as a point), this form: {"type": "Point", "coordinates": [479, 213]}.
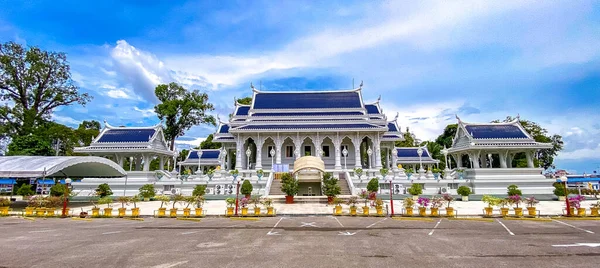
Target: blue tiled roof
{"type": "Point", "coordinates": [312, 100]}
{"type": "Point", "coordinates": [372, 109]}
{"type": "Point", "coordinates": [308, 126]}
{"type": "Point", "coordinates": [127, 135]}
{"type": "Point", "coordinates": [224, 129]}
{"type": "Point", "coordinates": [225, 138]}
{"type": "Point", "coordinates": [410, 152]}
{"type": "Point", "coordinates": [308, 114]}
{"type": "Point", "coordinates": [206, 154]}
{"type": "Point", "coordinates": [242, 110]}
{"type": "Point", "coordinates": [392, 127]}
{"type": "Point", "coordinates": [495, 132]}
{"type": "Point", "coordinates": [391, 136]}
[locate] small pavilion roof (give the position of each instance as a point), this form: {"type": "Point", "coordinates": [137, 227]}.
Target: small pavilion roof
{"type": "Point", "coordinates": [409, 155]}
{"type": "Point", "coordinates": [209, 157]}
{"type": "Point", "coordinates": [128, 139]}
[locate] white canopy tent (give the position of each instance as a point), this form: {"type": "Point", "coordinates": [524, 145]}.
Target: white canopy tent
{"type": "Point", "coordinates": [58, 166]}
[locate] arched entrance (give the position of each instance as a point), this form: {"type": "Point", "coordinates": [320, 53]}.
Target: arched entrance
{"type": "Point", "coordinates": [309, 171]}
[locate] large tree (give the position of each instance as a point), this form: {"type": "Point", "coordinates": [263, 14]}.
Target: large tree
{"type": "Point", "coordinates": [409, 140]}
{"type": "Point", "coordinates": [181, 109]}
{"type": "Point", "coordinates": [33, 82]}
{"type": "Point", "coordinates": [209, 144]}
{"type": "Point", "coordinates": [245, 101]}
{"type": "Point", "coordinates": [87, 131]}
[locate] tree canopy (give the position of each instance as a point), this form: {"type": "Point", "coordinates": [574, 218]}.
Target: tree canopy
{"type": "Point", "coordinates": [181, 109]}
{"type": "Point", "coordinates": [409, 140]}
{"type": "Point", "coordinates": [209, 144]}
{"type": "Point", "coordinates": [34, 82]}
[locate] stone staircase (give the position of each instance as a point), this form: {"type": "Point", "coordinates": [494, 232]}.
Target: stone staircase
{"type": "Point", "coordinates": [343, 183]}
{"type": "Point", "coordinates": [276, 188]}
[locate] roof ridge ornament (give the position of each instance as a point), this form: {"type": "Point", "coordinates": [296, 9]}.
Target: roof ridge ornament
{"type": "Point", "coordinates": [107, 125]}
{"type": "Point", "coordinates": [253, 88]}
{"type": "Point", "coordinates": [457, 118]}
{"type": "Point", "coordinates": [378, 99]}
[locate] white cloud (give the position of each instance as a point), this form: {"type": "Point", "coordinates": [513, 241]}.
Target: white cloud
{"type": "Point", "coordinates": [145, 112]}
{"type": "Point", "coordinates": [65, 120]}
{"type": "Point", "coordinates": [195, 142]}
{"type": "Point", "coordinates": [579, 154]}
{"type": "Point", "coordinates": [117, 94]}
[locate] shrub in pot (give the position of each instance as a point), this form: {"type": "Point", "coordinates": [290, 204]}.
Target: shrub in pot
{"type": "Point", "coordinates": [531, 202]}
{"type": "Point", "coordinates": [575, 203]}
{"type": "Point", "coordinates": [515, 200]}
{"type": "Point", "coordinates": [178, 198]}
{"type": "Point", "coordinates": [423, 204]}
{"type": "Point", "coordinates": [379, 206]}
{"type": "Point", "coordinates": [365, 197]}
{"type": "Point", "coordinates": [358, 172]}
{"type": "Point", "coordinates": [260, 173]}
{"type": "Point", "coordinates": [436, 173]}
{"type": "Point", "coordinates": [559, 191]}
{"type": "Point", "coordinates": [373, 186]}
{"type": "Point", "coordinates": [408, 204]}
{"type": "Point", "coordinates": [189, 201]}
{"type": "Point", "coordinates": [436, 203]}
{"type": "Point", "coordinates": [331, 188]}
{"type": "Point", "coordinates": [464, 192]}
{"type": "Point", "coordinates": [230, 203]}
{"type": "Point", "coordinates": [164, 202]}
{"type": "Point", "coordinates": [135, 211]}
{"type": "Point", "coordinates": [199, 202]}
{"type": "Point", "coordinates": [594, 208]}
{"type": "Point", "coordinates": [415, 190]}
{"type": "Point", "coordinates": [147, 191]}
{"type": "Point", "coordinates": [503, 204]}
{"type": "Point", "coordinates": [246, 188]}
{"type": "Point", "coordinates": [103, 190]}
{"type": "Point", "coordinates": [448, 199]}
{"type": "Point", "coordinates": [409, 172]}
{"type": "Point", "coordinates": [244, 204]}
{"type": "Point", "coordinates": [268, 203]}
{"type": "Point", "coordinates": [337, 202]}
{"type": "Point", "coordinates": [352, 201]}
{"type": "Point", "coordinates": [38, 202]}
{"type": "Point", "coordinates": [491, 201]}
{"type": "Point", "coordinates": [289, 185]}
{"type": "Point", "coordinates": [384, 172]}
{"type": "Point", "coordinates": [199, 190]}
{"type": "Point", "coordinates": [513, 190]}
{"type": "Point", "coordinates": [4, 206]}
{"type": "Point", "coordinates": [124, 200]}
{"type": "Point", "coordinates": [108, 202]}
{"type": "Point", "coordinates": [255, 201]}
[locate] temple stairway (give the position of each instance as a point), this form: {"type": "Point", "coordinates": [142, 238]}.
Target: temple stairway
{"type": "Point", "coordinates": [276, 188]}
{"type": "Point", "coordinates": [342, 182]}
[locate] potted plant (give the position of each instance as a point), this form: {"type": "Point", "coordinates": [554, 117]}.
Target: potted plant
{"type": "Point", "coordinates": [409, 203]}
{"type": "Point", "coordinates": [384, 172]}
{"type": "Point", "coordinates": [448, 199]}
{"type": "Point", "coordinates": [104, 190]}
{"type": "Point", "coordinates": [289, 185]}
{"type": "Point", "coordinates": [108, 202]}
{"type": "Point", "coordinates": [178, 198]}
{"type": "Point", "coordinates": [199, 202]}
{"type": "Point", "coordinates": [491, 201]}
{"type": "Point", "coordinates": [513, 190]}
{"type": "Point", "coordinates": [531, 202]}
{"type": "Point", "coordinates": [39, 204]}
{"type": "Point", "coordinates": [464, 192]}
{"type": "Point", "coordinates": [594, 208]}
{"type": "Point", "coordinates": [503, 204]}
{"type": "Point", "coordinates": [373, 186]}
{"type": "Point", "coordinates": [268, 203]}
{"type": "Point", "coordinates": [244, 204]}
{"type": "Point", "coordinates": [255, 202]}
{"type": "Point", "coordinates": [210, 173]}
{"type": "Point", "coordinates": [94, 201]}
{"type": "Point", "coordinates": [338, 205]}
{"type": "Point", "coordinates": [199, 190]}
{"type": "Point", "coordinates": [330, 187]}
{"type": "Point", "coordinates": [379, 206]}
{"type": "Point", "coordinates": [52, 203]}
{"type": "Point", "coordinates": [423, 204]}
{"type": "Point", "coordinates": [436, 173]}
{"type": "Point", "coordinates": [124, 200]}
{"type": "Point", "coordinates": [4, 206]}
{"type": "Point", "coordinates": [358, 172]}
{"type": "Point", "coordinates": [409, 172]}
{"type": "Point", "coordinates": [575, 203]}
{"type": "Point", "coordinates": [230, 201]}
{"type": "Point", "coordinates": [147, 191]}
{"type": "Point", "coordinates": [559, 191]}
{"type": "Point", "coordinates": [135, 211]}
{"type": "Point", "coordinates": [164, 201]}
{"type": "Point", "coordinates": [31, 205]}
{"type": "Point", "coordinates": [436, 203]}
{"type": "Point", "coordinates": [365, 196]}
{"type": "Point", "coordinates": [352, 201]}
{"type": "Point", "coordinates": [516, 200]}
{"type": "Point", "coordinates": [246, 189]}
{"type": "Point", "coordinates": [260, 173]}
{"type": "Point", "coordinates": [415, 190]}
{"type": "Point", "coordinates": [189, 201]}
{"type": "Point", "coordinates": [234, 173]}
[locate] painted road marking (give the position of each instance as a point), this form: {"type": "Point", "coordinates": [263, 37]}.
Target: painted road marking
{"type": "Point", "coordinates": [115, 232]}
{"type": "Point", "coordinates": [508, 230]}
{"type": "Point", "coordinates": [42, 231]}
{"type": "Point", "coordinates": [338, 221]}
{"type": "Point", "coordinates": [591, 245]}
{"type": "Point", "coordinates": [373, 224]}
{"type": "Point", "coordinates": [347, 233]}
{"type": "Point", "coordinates": [192, 232]}
{"type": "Point", "coordinates": [308, 224]}
{"type": "Point", "coordinates": [587, 231]}
{"type": "Point", "coordinates": [274, 226]}
{"type": "Point", "coordinates": [434, 227]}
{"type": "Point", "coordinates": [169, 265]}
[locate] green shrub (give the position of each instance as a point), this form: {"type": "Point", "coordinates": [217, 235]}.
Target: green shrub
{"type": "Point", "coordinates": [199, 190]}
{"type": "Point", "coordinates": [463, 190]}
{"type": "Point", "coordinates": [147, 191]}
{"type": "Point", "coordinates": [373, 185]}
{"type": "Point", "coordinates": [513, 190]}
{"type": "Point", "coordinates": [58, 190]}
{"type": "Point", "coordinates": [103, 190]}
{"type": "Point", "coordinates": [559, 189]}
{"type": "Point", "coordinates": [246, 188]}
{"type": "Point", "coordinates": [415, 189]}
{"type": "Point", "coordinates": [25, 190]}
{"type": "Point", "coordinates": [289, 185]}
{"type": "Point", "coordinates": [330, 185]}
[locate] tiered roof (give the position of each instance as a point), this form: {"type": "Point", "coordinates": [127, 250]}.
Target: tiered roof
{"type": "Point", "coordinates": [409, 155]}
{"type": "Point", "coordinates": [307, 111]}
{"type": "Point", "coordinates": [209, 157]}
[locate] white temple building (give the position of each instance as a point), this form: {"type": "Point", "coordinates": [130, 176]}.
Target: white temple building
{"type": "Point", "coordinates": [338, 127]}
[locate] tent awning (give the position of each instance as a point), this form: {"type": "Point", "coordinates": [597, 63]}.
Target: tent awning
{"type": "Point", "coordinates": [8, 181]}
{"type": "Point", "coordinates": [58, 166]}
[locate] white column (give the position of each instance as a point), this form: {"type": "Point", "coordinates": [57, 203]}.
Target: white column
{"type": "Point", "coordinates": [259, 144]}
{"type": "Point", "coordinates": [377, 153]}
{"type": "Point", "coordinates": [297, 147]}
{"type": "Point", "coordinates": [483, 159]}
{"type": "Point", "coordinates": [138, 163]}
{"type": "Point", "coordinates": [509, 159]}
{"type": "Point", "coordinates": [239, 146]}
{"type": "Point", "coordinates": [529, 155]}
{"type": "Point", "coordinates": [394, 160]}
{"type": "Point", "coordinates": [356, 143]}
{"type": "Point", "coordinates": [318, 148]}
{"type": "Point", "coordinates": [147, 160]}
{"type": "Point", "coordinates": [503, 155]}
{"type": "Point", "coordinates": [337, 143]}
{"type": "Point", "coordinates": [161, 164]}
{"type": "Point", "coordinates": [278, 144]}
{"type": "Point", "coordinates": [474, 157]}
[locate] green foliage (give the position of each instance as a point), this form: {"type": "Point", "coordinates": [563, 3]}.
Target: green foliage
{"type": "Point", "coordinates": [409, 140]}
{"type": "Point", "coordinates": [36, 82]}
{"type": "Point", "coordinates": [289, 185]}
{"type": "Point", "coordinates": [103, 190]}
{"type": "Point", "coordinates": [373, 185]}
{"type": "Point", "coordinates": [559, 189]}
{"type": "Point", "coordinates": [513, 190]}
{"type": "Point", "coordinates": [25, 190]}
{"type": "Point", "coordinates": [267, 202]}
{"type": "Point", "coordinates": [209, 144]}
{"type": "Point", "coordinates": [199, 190]}
{"type": "Point", "coordinates": [124, 200]}
{"type": "Point", "coordinates": [135, 199]}
{"type": "Point", "coordinates": [447, 136]}
{"type": "Point", "coordinates": [415, 189]}
{"type": "Point", "coordinates": [199, 201]}
{"type": "Point", "coordinates": [384, 172]}
{"type": "Point", "coordinates": [30, 145]}
{"type": "Point", "coordinates": [53, 201]}
{"type": "Point", "coordinates": [5, 202]}
{"type": "Point", "coordinates": [147, 191]}
{"type": "Point", "coordinates": [408, 202]}
{"type": "Point", "coordinates": [164, 200]}
{"type": "Point", "coordinates": [105, 201]}
{"type": "Point", "coordinates": [463, 190]}
{"type": "Point", "coordinates": [330, 185]}
{"type": "Point", "coordinates": [178, 198]}
{"type": "Point", "coordinates": [58, 190]}
{"type": "Point", "coordinates": [492, 201]}
{"type": "Point", "coordinates": [246, 188]}
{"type": "Point", "coordinates": [230, 202]}
{"type": "Point", "coordinates": [234, 172]}
{"type": "Point", "coordinates": [181, 109]}
{"type": "Point", "coordinates": [358, 171]}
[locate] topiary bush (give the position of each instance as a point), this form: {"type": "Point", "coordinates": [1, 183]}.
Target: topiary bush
{"type": "Point", "coordinates": [463, 190]}
{"type": "Point", "coordinates": [513, 190]}
{"type": "Point", "coordinates": [559, 189]}
{"type": "Point", "coordinates": [103, 190]}
{"type": "Point", "coordinates": [373, 185]}
{"type": "Point", "coordinates": [289, 185]}
{"type": "Point", "coordinates": [246, 188]}
{"type": "Point", "coordinates": [147, 191]}
{"type": "Point", "coordinates": [58, 190]}
{"type": "Point", "coordinates": [415, 189]}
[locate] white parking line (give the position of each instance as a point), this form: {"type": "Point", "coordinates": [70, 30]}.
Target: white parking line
{"type": "Point", "coordinates": [434, 227]}
{"type": "Point", "coordinates": [373, 224]}
{"type": "Point", "coordinates": [587, 231]}
{"type": "Point", "coordinates": [192, 232]}
{"type": "Point", "coordinates": [115, 232]}
{"type": "Point", "coordinates": [274, 226]}
{"type": "Point", "coordinates": [41, 231]}
{"type": "Point", "coordinates": [508, 230]}
{"type": "Point", "coordinates": [169, 265]}
{"type": "Point", "coordinates": [338, 221]}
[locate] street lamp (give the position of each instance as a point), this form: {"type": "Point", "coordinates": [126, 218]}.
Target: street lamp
{"type": "Point", "coordinates": [345, 154]}
{"type": "Point", "coordinates": [391, 198]}
{"type": "Point", "coordinates": [564, 179]}
{"type": "Point", "coordinates": [237, 196]}
{"type": "Point", "coordinates": [66, 197]}
{"type": "Point", "coordinates": [248, 153]}
{"type": "Point", "coordinates": [272, 153]}
{"type": "Point", "coordinates": [199, 157]}
{"type": "Point", "coordinates": [445, 152]}
{"type": "Point", "coordinates": [369, 153]}
{"type": "Point", "coordinates": [420, 153]}
{"type": "Point", "coordinates": [225, 166]}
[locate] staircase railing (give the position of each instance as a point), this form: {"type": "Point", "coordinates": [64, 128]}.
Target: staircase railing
{"type": "Point", "coordinates": [350, 184]}
{"type": "Point", "coordinates": [269, 182]}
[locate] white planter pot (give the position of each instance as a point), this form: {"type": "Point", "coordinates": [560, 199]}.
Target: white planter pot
{"type": "Point", "coordinates": [562, 198]}
{"type": "Point", "coordinates": [415, 197]}
{"type": "Point", "coordinates": [465, 198]}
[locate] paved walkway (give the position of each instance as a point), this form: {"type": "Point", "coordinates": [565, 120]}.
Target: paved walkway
{"type": "Point", "coordinates": [218, 207]}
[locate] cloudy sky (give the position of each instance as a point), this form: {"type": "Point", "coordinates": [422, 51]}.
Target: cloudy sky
{"type": "Point", "coordinates": [482, 60]}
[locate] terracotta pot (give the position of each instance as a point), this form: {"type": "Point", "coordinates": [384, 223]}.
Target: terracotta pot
{"type": "Point", "coordinates": [256, 211]}
{"type": "Point", "coordinates": [95, 212]}
{"type": "Point", "coordinates": [162, 212]}
{"type": "Point", "coordinates": [519, 212]}
{"type": "Point", "coordinates": [230, 211]}
{"type": "Point", "coordinates": [198, 211]}
{"type": "Point", "coordinates": [450, 212]}
{"type": "Point", "coordinates": [489, 211]}
{"type": "Point", "coordinates": [422, 211]}
{"type": "Point", "coordinates": [581, 212]}
{"type": "Point", "coordinates": [4, 211]}
{"type": "Point", "coordinates": [173, 212]}
{"type": "Point", "coordinates": [409, 211]}
{"type": "Point", "coordinates": [270, 211]}
{"type": "Point", "coordinates": [531, 211]}
{"type": "Point", "coordinates": [434, 212]}
{"type": "Point", "coordinates": [504, 212]}
{"type": "Point", "coordinates": [379, 210]}
{"type": "Point", "coordinates": [352, 211]}
{"type": "Point", "coordinates": [186, 212]}
{"type": "Point", "coordinates": [365, 211]}
{"type": "Point", "coordinates": [244, 211]}
{"type": "Point", "coordinates": [135, 212]}
{"type": "Point", "coordinates": [338, 210]}
{"type": "Point", "coordinates": [289, 199]}
{"type": "Point", "coordinates": [330, 200]}
{"type": "Point", "coordinates": [122, 212]}
{"type": "Point", "coordinates": [108, 212]}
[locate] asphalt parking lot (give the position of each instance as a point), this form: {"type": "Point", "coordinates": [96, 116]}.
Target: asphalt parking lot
{"type": "Point", "coordinates": [298, 242]}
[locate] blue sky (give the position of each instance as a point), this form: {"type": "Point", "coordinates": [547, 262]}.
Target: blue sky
{"type": "Point", "coordinates": [483, 60]}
